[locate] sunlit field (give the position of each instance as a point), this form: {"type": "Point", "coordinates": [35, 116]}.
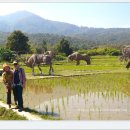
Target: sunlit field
{"type": "Point", "coordinates": [99, 64]}
{"type": "Point", "coordinates": [100, 91]}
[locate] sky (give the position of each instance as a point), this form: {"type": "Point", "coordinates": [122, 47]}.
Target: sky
{"type": "Point", "coordinates": [99, 15]}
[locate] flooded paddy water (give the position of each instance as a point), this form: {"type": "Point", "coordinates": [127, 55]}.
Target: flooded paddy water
{"type": "Point", "coordinates": [90, 97]}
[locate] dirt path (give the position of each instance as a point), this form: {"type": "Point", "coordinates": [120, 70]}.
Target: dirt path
{"type": "Point", "coordinates": [28, 115]}
{"type": "Point", "coordinates": [77, 74]}
{"type": "Point", "coordinates": [29, 76]}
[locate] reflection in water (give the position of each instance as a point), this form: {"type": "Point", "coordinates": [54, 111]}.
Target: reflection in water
{"type": "Point", "coordinates": [90, 106]}
{"type": "Point", "coordinates": [106, 96]}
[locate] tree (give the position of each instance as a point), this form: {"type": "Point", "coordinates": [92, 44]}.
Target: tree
{"type": "Point", "coordinates": [18, 42]}
{"type": "Point", "coordinates": [41, 48]}
{"type": "Point", "coordinates": [44, 46]}
{"type": "Point", "coordinates": [64, 47]}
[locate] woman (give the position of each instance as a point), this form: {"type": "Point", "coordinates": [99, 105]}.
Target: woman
{"type": "Point", "coordinates": [7, 78]}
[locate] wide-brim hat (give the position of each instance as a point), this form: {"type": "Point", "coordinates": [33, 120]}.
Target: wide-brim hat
{"type": "Point", "coordinates": [15, 62]}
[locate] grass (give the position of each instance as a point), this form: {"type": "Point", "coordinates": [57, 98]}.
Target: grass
{"type": "Point", "coordinates": [9, 115]}
{"type": "Point", "coordinates": [99, 63]}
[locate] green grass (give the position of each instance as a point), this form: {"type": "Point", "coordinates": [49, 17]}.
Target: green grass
{"type": "Point", "coordinates": [9, 115]}
{"type": "Point", "coordinates": [98, 63]}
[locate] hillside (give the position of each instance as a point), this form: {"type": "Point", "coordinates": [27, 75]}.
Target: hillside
{"type": "Point", "coordinates": [39, 29]}
{"type": "Point", "coordinates": [31, 23]}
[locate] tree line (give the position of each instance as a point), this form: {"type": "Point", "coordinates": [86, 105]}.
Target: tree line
{"type": "Point", "coordinates": [18, 43]}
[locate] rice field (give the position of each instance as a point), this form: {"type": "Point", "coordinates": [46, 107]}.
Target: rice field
{"type": "Point", "coordinates": [100, 91]}
{"type": "Point", "coordinates": [102, 96]}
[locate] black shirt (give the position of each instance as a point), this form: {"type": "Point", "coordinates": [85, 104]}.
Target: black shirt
{"type": "Point", "coordinates": [16, 77]}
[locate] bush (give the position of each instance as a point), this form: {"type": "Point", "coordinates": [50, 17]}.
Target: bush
{"type": "Point", "coordinates": [114, 52]}
{"type": "Point", "coordinates": [83, 51]}
{"type": "Point", "coordinates": [101, 51]}
{"type": "Point", "coordinates": [7, 55]}
{"type": "Point", "coordinates": [62, 54]}
{"type": "Point", "coordinates": [60, 57]}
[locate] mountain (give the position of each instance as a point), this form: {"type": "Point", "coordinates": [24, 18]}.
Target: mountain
{"type": "Point", "coordinates": [38, 28]}
{"type": "Point", "coordinates": [31, 23]}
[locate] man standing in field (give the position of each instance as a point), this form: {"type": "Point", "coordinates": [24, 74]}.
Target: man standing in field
{"type": "Point", "coordinates": [19, 81]}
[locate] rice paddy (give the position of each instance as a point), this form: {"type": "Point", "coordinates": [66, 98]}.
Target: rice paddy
{"type": "Point", "coordinates": [102, 96]}
{"type": "Point", "coordinates": [100, 91]}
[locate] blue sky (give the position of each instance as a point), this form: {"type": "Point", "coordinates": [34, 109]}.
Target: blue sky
{"type": "Point", "coordinates": [106, 15]}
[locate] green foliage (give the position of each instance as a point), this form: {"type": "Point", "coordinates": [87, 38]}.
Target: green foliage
{"type": "Point", "coordinates": [64, 47]}
{"type": "Point", "coordinates": [93, 37]}
{"type": "Point", "coordinates": [60, 57]}
{"type": "Point", "coordinates": [114, 52]}
{"type": "Point", "coordinates": [38, 51]}
{"type": "Point", "coordinates": [41, 48]}
{"type": "Point", "coordinates": [44, 46]}
{"type": "Point", "coordinates": [9, 115]}
{"type": "Point", "coordinates": [7, 55]}
{"type": "Point", "coordinates": [17, 41]}
{"type": "Point", "coordinates": [102, 51]}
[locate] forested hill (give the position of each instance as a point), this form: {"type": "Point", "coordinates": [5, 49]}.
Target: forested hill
{"type": "Point", "coordinates": [79, 41]}
{"type": "Point", "coordinates": [39, 29]}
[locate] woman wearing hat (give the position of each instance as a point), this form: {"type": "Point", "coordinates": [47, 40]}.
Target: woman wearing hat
{"type": "Point", "coordinates": [7, 78]}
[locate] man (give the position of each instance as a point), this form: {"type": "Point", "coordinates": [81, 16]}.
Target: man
{"type": "Point", "coordinates": [18, 85]}
{"type": "Point", "coordinates": [7, 78]}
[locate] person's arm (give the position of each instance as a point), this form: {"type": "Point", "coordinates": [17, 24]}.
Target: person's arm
{"type": "Point", "coordinates": [12, 79]}
{"type": "Point", "coordinates": [24, 77]}
{"type": "Point", "coordinates": [4, 79]}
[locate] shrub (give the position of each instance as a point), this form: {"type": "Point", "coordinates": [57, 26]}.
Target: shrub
{"type": "Point", "coordinates": [115, 53]}
{"type": "Point", "coordinates": [60, 57]}
{"type": "Point", "coordinates": [101, 51]}
{"type": "Point", "coordinates": [7, 55]}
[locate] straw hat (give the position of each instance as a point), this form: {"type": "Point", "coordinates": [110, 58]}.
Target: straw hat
{"type": "Point", "coordinates": [5, 65]}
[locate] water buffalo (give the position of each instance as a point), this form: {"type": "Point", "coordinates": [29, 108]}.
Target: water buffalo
{"type": "Point", "coordinates": [123, 58]}
{"type": "Point", "coordinates": [77, 57]}
{"type": "Point", "coordinates": [50, 53]}
{"type": "Point", "coordinates": [125, 53]}
{"type": "Point", "coordinates": [37, 59]}
{"type": "Point", "coordinates": [128, 65]}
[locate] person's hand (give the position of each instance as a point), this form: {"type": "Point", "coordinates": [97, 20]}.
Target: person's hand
{"type": "Point", "coordinates": [6, 85]}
